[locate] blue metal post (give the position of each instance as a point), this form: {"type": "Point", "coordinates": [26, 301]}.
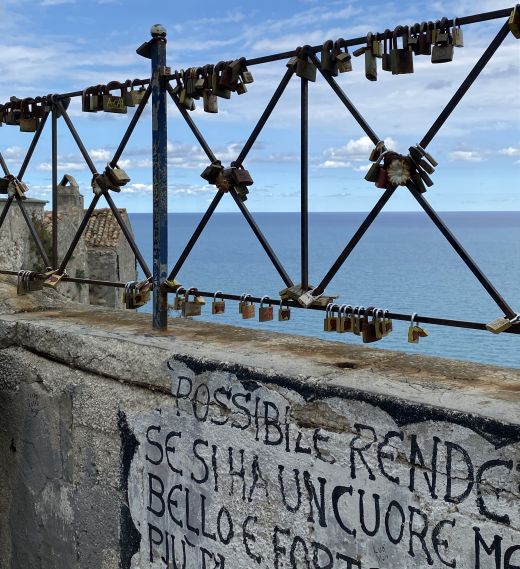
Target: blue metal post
{"type": "Point", "coordinates": [160, 178]}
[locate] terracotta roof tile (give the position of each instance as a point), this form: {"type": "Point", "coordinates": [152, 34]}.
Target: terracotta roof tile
{"type": "Point", "coordinates": [103, 229]}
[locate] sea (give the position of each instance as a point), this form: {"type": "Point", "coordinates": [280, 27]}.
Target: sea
{"type": "Point", "coordinates": [403, 264]}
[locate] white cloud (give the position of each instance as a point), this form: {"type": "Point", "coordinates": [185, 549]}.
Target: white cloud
{"type": "Point", "coordinates": [466, 156]}
{"type": "Point", "coordinates": [356, 150]}
{"type": "Point", "coordinates": [510, 151]}
{"type": "Point", "coordinates": [100, 154]}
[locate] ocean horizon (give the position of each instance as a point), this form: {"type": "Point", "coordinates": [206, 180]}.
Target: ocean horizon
{"type": "Point", "coordinates": [403, 263]}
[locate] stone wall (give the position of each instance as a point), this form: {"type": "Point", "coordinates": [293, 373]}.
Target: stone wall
{"type": "Point", "coordinates": [124, 448]}
{"type": "Point", "coordinates": [17, 249]}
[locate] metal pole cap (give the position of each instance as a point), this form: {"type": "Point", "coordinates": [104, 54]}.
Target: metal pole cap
{"type": "Point", "coordinates": [158, 31]}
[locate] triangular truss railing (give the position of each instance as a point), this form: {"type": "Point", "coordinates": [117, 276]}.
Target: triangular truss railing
{"type": "Point", "coordinates": [158, 89]}
{"type": "Point", "coordinates": [430, 211]}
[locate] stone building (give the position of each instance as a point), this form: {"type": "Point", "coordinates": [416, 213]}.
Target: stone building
{"type": "Point", "coordinates": [102, 253]}
{"type": "Point", "coordinates": [110, 257]}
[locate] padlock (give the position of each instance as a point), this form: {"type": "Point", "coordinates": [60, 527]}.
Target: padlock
{"type": "Point", "coordinates": [401, 58]}
{"type": "Point", "coordinates": [28, 121]}
{"type": "Point", "coordinates": [28, 281]}
{"type": "Point", "coordinates": [113, 103]}
{"type": "Point", "coordinates": [501, 324]}
{"type": "Point", "coordinates": [376, 152]}
{"type": "Point", "coordinates": [368, 328]}
{"type": "Point", "coordinates": [180, 296]}
{"type": "Point", "coordinates": [428, 156]}
{"type": "Point", "coordinates": [388, 325]}
{"type": "Point", "coordinates": [141, 294]}
{"type": "Point", "coordinates": [241, 88]}
{"type": "Point", "coordinates": [345, 320]}
{"type": "Point", "coordinates": [116, 175]}
{"type": "Point", "coordinates": [370, 60]}
{"type": "Point", "coordinates": [304, 67]}
{"type": "Point", "coordinates": [265, 313]}
{"type": "Point", "coordinates": [398, 170]}
{"type": "Point", "coordinates": [343, 58]}
{"type": "Point", "coordinates": [418, 182]}
{"type": "Point", "coordinates": [457, 34]}
{"type": "Point", "coordinates": [226, 80]}
{"type": "Point", "coordinates": [356, 320]}
{"type": "Point", "coordinates": [424, 42]}
{"type": "Point", "coordinates": [248, 308]}
{"type": "Point", "coordinates": [240, 175]}
{"type": "Point", "coordinates": [13, 111]}
{"type": "Point", "coordinates": [442, 51]}
{"type": "Point", "coordinates": [218, 306]}
{"type": "Point", "coordinates": [329, 63]}
{"type": "Point", "coordinates": [242, 303]}
{"type": "Point", "coordinates": [377, 48]}
{"type": "Point", "coordinates": [379, 323]}
{"type": "Point", "coordinates": [172, 285]}
{"type": "Point", "coordinates": [52, 279]}
{"type": "Point", "coordinates": [20, 285]}
{"type": "Point", "coordinates": [386, 59]}
{"type": "Point", "coordinates": [374, 171]}
{"type": "Point", "coordinates": [330, 322]}
{"type": "Point", "coordinates": [413, 38]}
{"type": "Point", "coordinates": [443, 36]}
{"type": "Point", "coordinates": [284, 312]}
{"type": "Point", "coordinates": [382, 178]}
{"type": "Point", "coordinates": [415, 332]}
{"type": "Point", "coordinates": [245, 74]}
{"type": "Point", "coordinates": [200, 80]}
{"type": "Point", "coordinates": [16, 187]}
{"type": "Point", "coordinates": [89, 101]}
{"type": "Point", "coordinates": [217, 89]}
{"type": "Point", "coordinates": [211, 172]}
{"type": "Point", "coordinates": [418, 157]}
{"type": "Point", "coordinates": [210, 101]}
{"type": "Point", "coordinates": [4, 185]}
{"type": "Point", "coordinates": [514, 22]}
{"type": "Point", "coordinates": [191, 307]}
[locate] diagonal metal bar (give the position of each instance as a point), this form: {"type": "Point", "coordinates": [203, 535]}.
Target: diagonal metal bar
{"type": "Point", "coordinates": [34, 233]}
{"type": "Point", "coordinates": [265, 115]}
{"type": "Point", "coordinates": [260, 236]}
{"type": "Point", "coordinates": [354, 241]}
{"type": "Point", "coordinates": [304, 191]}
{"type": "Point", "coordinates": [79, 233]}
{"type": "Point", "coordinates": [193, 127]}
{"type": "Point", "coordinates": [345, 100]}
{"type": "Point", "coordinates": [5, 211]}
{"type": "Point", "coordinates": [32, 146]}
{"type": "Point", "coordinates": [4, 165]}
{"type": "Point", "coordinates": [464, 88]}
{"type": "Point", "coordinates": [131, 127]}
{"type": "Point", "coordinates": [127, 234]}
{"type": "Point", "coordinates": [76, 137]}
{"type": "Point", "coordinates": [196, 234]}
{"type": "Point", "coordinates": [463, 254]}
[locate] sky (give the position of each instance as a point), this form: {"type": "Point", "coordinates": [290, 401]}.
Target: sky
{"type": "Point", "coordinates": [56, 46]}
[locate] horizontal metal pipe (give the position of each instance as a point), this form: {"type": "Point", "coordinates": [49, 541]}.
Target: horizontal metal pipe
{"type": "Point", "coordinates": [370, 311]}
{"type": "Point", "coordinates": [473, 19]}
{"type": "Point", "coordinates": [257, 299]}
{"type": "Point", "coordinates": [77, 280]}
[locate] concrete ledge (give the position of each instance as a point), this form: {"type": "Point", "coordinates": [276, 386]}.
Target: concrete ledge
{"type": "Point", "coordinates": [110, 428]}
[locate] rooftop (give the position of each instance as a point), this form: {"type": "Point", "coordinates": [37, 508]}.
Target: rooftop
{"type": "Point", "coordinates": [102, 228]}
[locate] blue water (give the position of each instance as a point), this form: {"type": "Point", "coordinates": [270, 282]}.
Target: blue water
{"type": "Point", "coordinates": [403, 263]}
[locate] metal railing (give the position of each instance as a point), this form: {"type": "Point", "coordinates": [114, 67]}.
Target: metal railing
{"type": "Point", "coordinates": [158, 88]}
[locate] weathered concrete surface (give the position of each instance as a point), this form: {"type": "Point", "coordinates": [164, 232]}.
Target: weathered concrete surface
{"type": "Point", "coordinates": [120, 445]}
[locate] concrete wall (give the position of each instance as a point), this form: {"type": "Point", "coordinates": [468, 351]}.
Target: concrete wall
{"type": "Point", "coordinates": [124, 448]}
